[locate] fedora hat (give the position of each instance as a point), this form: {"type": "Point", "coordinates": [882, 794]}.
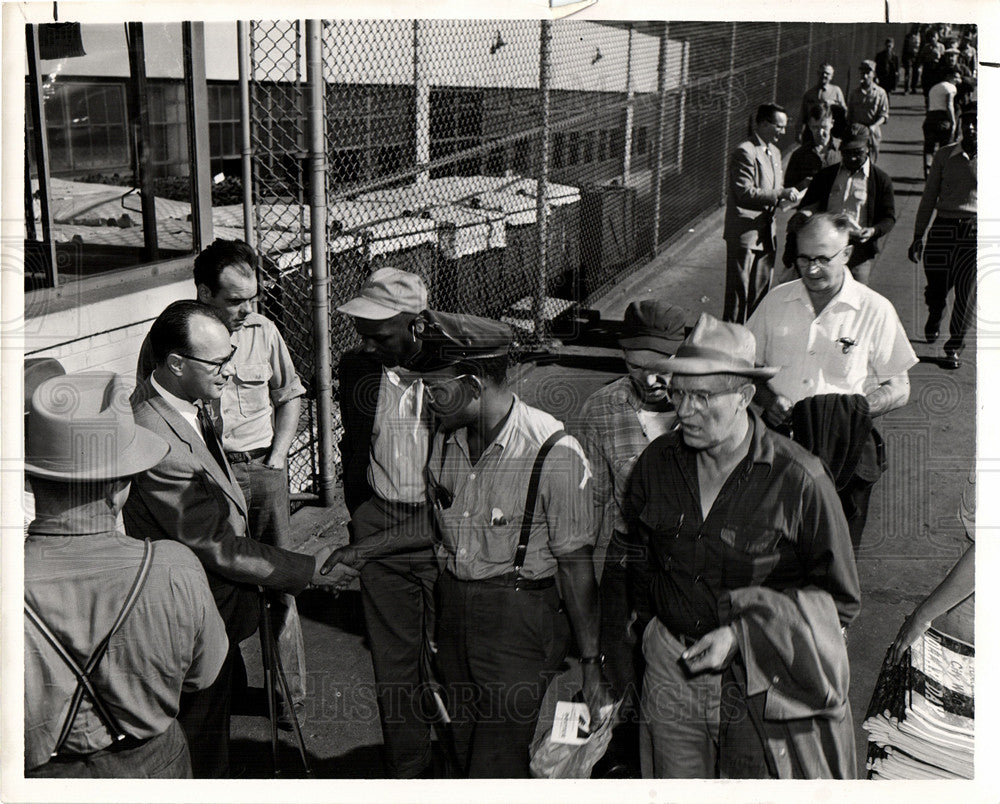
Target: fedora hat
{"type": "Point", "coordinates": [655, 325]}
{"type": "Point", "coordinates": [716, 347]}
{"type": "Point", "coordinates": [82, 428]}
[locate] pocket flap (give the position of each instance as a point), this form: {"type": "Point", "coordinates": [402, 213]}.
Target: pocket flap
{"type": "Point", "coordinates": [253, 372]}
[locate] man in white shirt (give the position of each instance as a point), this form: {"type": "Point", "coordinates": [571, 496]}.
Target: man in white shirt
{"type": "Point", "coordinates": [831, 335]}
{"type": "Point", "coordinates": [940, 123]}
{"type": "Point", "coordinates": [383, 453]}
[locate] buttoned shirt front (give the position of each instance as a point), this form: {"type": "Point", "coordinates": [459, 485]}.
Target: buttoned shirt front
{"type": "Point", "coordinates": [849, 192]}
{"type": "Point", "coordinates": [613, 437]}
{"type": "Point", "coordinates": [264, 376]}
{"type": "Point", "coordinates": [481, 528]}
{"type": "Point", "coordinates": [868, 105]}
{"type": "Point", "coordinates": [400, 438]}
{"type": "Point", "coordinates": [856, 342]}
{"type": "Point", "coordinates": [776, 522]}
{"type": "Point", "coordinates": [174, 639]}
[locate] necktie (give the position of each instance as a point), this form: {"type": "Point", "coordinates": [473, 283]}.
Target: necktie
{"type": "Point", "coordinates": [211, 437]}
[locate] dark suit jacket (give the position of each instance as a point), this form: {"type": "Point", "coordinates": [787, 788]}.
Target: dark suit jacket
{"type": "Point", "coordinates": [754, 185]}
{"type": "Point", "coordinates": [190, 498]}
{"type": "Point", "coordinates": [879, 210]}
{"type": "Point", "coordinates": [360, 380]}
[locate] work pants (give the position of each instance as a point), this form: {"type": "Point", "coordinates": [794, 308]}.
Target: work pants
{"type": "Point", "coordinates": [267, 496]}
{"type": "Point", "coordinates": [950, 262]}
{"type": "Point", "coordinates": [397, 593]}
{"type": "Point", "coordinates": [164, 756]}
{"type": "Point", "coordinates": [679, 725]}
{"type": "Point", "coordinates": [498, 649]}
{"type": "Point", "coordinates": [748, 279]}
{"type": "Point", "coordinates": [204, 716]}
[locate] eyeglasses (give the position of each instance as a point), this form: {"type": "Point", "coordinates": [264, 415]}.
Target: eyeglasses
{"type": "Point", "coordinates": [805, 261]}
{"type": "Point", "coordinates": [218, 364]}
{"type": "Point", "coordinates": [699, 399]}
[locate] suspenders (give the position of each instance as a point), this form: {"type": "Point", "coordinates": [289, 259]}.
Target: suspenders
{"type": "Point", "coordinates": [532, 498]}
{"type": "Point", "coordinates": [84, 684]}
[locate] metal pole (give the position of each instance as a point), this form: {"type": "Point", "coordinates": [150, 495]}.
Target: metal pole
{"type": "Point", "coordinates": [193, 36]}
{"type": "Point", "coordinates": [809, 66]}
{"type": "Point", "coordinates": [777, 61]}
{"type": "Point", "coordinates": [727, 131]}
{"type": "Point", "coordinates": [246, 146]}
{"type": "Point", "coordinates": [39, 133]}
{"type": "Point", "coordinates": [422, 108]}
{"type": "Point", "coordinates": [629, 111]}
{"type": "Point", "coordinates": [142, 142]}
{"type": "Point", "coordinates": [320, 287]}
{"type": "Point", "coordinates": [661, 125]}
{"type": "Point", "coordinates": [542, 212]}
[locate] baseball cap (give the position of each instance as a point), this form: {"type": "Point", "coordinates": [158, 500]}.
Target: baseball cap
{"type": "Point", "coordinates": [387, 292]}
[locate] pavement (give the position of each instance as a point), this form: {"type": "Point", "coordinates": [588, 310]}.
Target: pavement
{"type": "Point", "coordinates": [912, 538]}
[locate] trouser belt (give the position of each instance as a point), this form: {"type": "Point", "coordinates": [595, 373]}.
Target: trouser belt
{"type": "Point", "coordinates": [247, 456]}
{"type": "Point", "coordinates": [512, 580]}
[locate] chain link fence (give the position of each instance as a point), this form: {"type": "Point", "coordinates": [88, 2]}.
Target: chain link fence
{"type": "Point", "coordinates": [434, 134]}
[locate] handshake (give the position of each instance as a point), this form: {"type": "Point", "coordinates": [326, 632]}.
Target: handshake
{"type": "Point", "coordinates": [336, 567]}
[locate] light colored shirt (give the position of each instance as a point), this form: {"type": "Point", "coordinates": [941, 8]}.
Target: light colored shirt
{"type": "Point", "coordinates": [849, 192]}
{"type": "Point", "coordinates": [187, 410]}
{"type": "Point", "coordinates": [174, 639]}
{"type": "Point", "coordinates": [264, 376]}
{"type": "Point", "coordinates": [831, 94]}
{"type": "Point", "coordinates": [400, 439]}
{"type": "Point", "coordinates": [481, 529]}
{"type": "Point", "coordinates": [941, 97]}
{"type": "Point", "coordinates": [951, 189]}
{"type": "Point", "coordinates": [868, 105]}
{"type": "Point", "coordinates": [811, 349]}
{"type": "Point", "coordinates": [613, 436]}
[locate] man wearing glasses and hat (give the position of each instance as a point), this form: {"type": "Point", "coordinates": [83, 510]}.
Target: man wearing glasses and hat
{"type": "Point", "coordinates": [745, 559]}
{"type": "Point", "coordinates": [617, 423]}
{"type": "Point", "coordinates": [513, 503]}
{"type": "Point", "coordinates": [192, 496]}
{"type": "Point", "coordinates": [115, 629]}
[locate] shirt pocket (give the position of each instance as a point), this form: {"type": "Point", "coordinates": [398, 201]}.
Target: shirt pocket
{"type": "Point", "coordinates": [752, 554]}
{"type": "Point", "coordinates": [251, 387]}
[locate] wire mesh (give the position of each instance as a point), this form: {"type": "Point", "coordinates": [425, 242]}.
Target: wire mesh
{"type": "Point", "coordinates": [433, 132]}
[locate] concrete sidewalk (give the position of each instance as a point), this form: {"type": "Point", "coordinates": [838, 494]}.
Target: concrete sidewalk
{"type": "Point", "coordinates": [913, 535]}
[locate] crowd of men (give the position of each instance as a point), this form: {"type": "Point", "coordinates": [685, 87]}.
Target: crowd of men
{"type": "Point", "coordinates": [690, 540]}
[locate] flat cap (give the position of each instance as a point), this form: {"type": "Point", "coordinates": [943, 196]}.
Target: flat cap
{"type": "Point", "coordinates": [450, 339]}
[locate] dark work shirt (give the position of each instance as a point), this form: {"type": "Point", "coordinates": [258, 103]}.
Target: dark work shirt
{"type": "Point", "coordinates": [777, 522]}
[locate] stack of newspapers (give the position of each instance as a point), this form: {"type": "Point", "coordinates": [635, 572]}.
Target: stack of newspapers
{"type": "Point", "coordinates": [920, 721]}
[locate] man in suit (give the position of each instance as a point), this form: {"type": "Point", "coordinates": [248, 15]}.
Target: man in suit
{"type": "Point", "coordinates": [862, 192]}
{"type": "Point", "coordinates": [887, 66]}
{"type": "Point", "coordinates": [192, 496]}
{"type": "Point", "coordinates": [755, 189]}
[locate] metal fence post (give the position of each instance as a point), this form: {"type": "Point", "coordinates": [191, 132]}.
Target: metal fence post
{"type": "Point", "coordinates": [728, 125]}
{"type": "Point", "coordinates": [542, 212]}
{"type": "Point", "coordinates": [320, 292]}
{"type": "Point", "coordinates": [809, 65]}
{"type": "Point", "coordinates": [422, 108]}
{"type": "Point", "coordinates": [777, 61]}
{"type": "Point", "coordinates": [629, 110]}
{"type": "Point", "coordinates": [661, 124]}
{"type": "Point", "coordinates": [246, 149]}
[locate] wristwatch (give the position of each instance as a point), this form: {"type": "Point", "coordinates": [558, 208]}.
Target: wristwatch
{"type": "Point", "coordinates": [598, 659]}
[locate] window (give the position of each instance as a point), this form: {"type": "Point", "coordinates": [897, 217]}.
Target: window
{"type": "Point", "coordinates": [224, 128]}
{"type": "Point", "coordinates": [456, 125]}
{"type": "Point", "coordinates": [588, 146]}
{"type": "Point", "coordinates": [558, 150]}
{"type": "Point", "coordinates": [104, 207]}
{"type": "Point", "coordinates": [573, 156]}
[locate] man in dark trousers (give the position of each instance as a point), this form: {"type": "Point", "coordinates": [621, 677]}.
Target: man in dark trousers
{"type": "Point", "coordinates": [950, 196]}
{"type": "Point", "coordinates": [862, 192]}
{"type": "Point", "coordinates": [384, 452]}
{"type": "Point", "coordinates": [192, 496]}
{"type": "Point", "coordinates": [887, 66]}
{"type": "Point", "coordinates": [755, 189]}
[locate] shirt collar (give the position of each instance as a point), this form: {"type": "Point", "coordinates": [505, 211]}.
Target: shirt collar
{"type": "Point", "coordinates": [849, 293]}
{"type": "Point", "coordinates": [180, 405]}
{"type": "Point", "coordinates": [761, 444]}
